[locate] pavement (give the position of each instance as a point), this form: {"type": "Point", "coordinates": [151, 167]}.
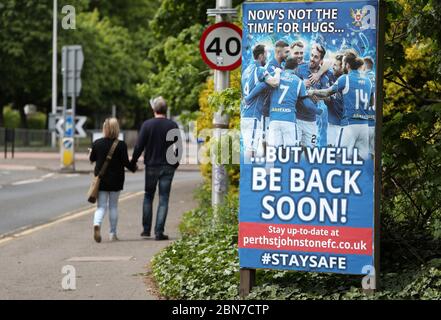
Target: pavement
{"type": "Point", "coordinates": [35, 263]}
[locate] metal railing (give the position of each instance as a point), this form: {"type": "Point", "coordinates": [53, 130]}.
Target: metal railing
{"type": "Point", "coordinates": [40, 140]}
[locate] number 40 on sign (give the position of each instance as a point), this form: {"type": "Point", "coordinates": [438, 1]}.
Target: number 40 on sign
{"type": "Point", "coordinates": [221, 46]}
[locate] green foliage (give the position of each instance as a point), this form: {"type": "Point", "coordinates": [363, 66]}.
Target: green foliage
{"type": "Point", "coordinates": [420, 283]}
{"type": "Point", "coordinates": [37, 121]}
{"type": "Point", "coordinates": [133, 15]}
{"type": "Point", "coordinates": [176, 15]}
{"type": "Point", "coordinates": [25, 39]}
{"type": "Point", "coordinates": [202, 267]}
{"type": "Point", "coordinates": [178, 71]}
{"type": "Point", "coordinates": [111, 64]}
{"type": "Point", "coordinates": [412, 123]}
{"type": "Point", "coordinates": [11, 118]}
{"type": "Point", "coordinates": [204, 263]}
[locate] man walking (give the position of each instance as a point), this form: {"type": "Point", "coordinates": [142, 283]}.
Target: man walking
{"type": "Point", "coordinates": [161, 142]}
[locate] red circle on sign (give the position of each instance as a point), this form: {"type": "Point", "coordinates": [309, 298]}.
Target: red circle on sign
{"type": "Point", "coordinates": [204, 37]}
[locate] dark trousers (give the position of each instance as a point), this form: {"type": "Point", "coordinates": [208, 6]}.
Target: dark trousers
{"type": "Point", "coordinates": [163, 177]}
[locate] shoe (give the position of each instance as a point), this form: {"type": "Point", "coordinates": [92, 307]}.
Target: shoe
{"type": "Point", "coordinates": [161, 237]}
{"type": "Point", "coordinates": [145, 234]}
{"type": "Point", "coordinates": [113, 237]}
{"type": "Point", "coordinates": [97, 233]}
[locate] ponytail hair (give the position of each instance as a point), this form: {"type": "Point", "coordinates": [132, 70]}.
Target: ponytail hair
{"type": "Point", "coordinates": [354, 61]}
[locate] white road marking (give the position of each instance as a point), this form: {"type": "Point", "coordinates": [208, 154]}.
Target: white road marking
{"type": "Point", "coordinates": [46, 176]}
{"type": "Point", "coordinates": [71, 175]}
{"type": "Point", "coordinates": [66, 217]}
{"type": "Point", "coordinates": [49, 175]}
{"type": "Point", "coordinates": [100, 259]}
{"type": "Point", "coordinates": [19, 183]}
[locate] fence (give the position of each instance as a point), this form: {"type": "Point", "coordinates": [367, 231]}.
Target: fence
{"type": "Point", "coordinates": [41, 140]}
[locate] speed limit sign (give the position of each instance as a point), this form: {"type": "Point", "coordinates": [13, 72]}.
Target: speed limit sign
{"type": "Point", "coordinates": [221, 46]}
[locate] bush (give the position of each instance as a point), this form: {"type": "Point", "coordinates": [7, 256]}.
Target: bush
{"type": "Point", "coordinates": [200, 267]}
{"type": "Point", "coordinates": [204, 264]}
{"type": "Point", "coordinates": [11, 117]}
{"type": "Point", "coordinates": [37, 121]}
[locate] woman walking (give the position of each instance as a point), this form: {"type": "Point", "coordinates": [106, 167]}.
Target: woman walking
{"type": "Point", "coordinates": [112, 181]}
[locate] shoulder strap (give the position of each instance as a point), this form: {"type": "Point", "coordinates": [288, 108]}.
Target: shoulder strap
{"type": "Point", "coordinates": [108, 158]}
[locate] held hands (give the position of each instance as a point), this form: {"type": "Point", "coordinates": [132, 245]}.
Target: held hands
{"type": "Point", "coordinates": [312, 95]}
{"type": "Point", "coordinates": [134, 166]}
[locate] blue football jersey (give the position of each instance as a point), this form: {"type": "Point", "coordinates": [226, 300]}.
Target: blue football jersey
{"type": "Point", "coordinates": [356, 90]}
{"type": "Point", "coordinates": [303, 72]}
{"type": "Point", "coordinates": [284, 97]}
{"type": "Point", "coordinates": [371, 109]}
{"type": "Point", "coordinates": [251, 77]}
{"type": "Point", "coordinates": [273, 65]}
{"type": "Point", "coordinates": [335, 105]}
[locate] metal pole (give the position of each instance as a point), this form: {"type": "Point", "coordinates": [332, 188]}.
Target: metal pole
{"type": "Point", "coordinates": [6, 143]}
{"type": "Point", "coordinates": [13, 142]}
{"type": "Point", "coordinates": [220, 123]}
{"type": "Point", "coordinates": [74, 94]}
{"type": "Point", "coordinates": [64, 71]}
{"type": "Point", "coordinates": [54, 68]}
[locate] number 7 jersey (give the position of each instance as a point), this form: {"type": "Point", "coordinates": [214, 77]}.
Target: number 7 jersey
{"type": "Point", "coordinates": [284, 98]}
{"type": "Point", "coordinates": [356, 90]}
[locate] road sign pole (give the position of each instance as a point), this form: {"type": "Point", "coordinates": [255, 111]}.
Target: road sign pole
{"type": "Point", "coordinates": [220, 123]}
{"type": "Point", "coordinates": [54, 68]}
{"type": "Point", "coordinates": [64, 71]}
{"type": "Point", "coordinates": [72, 62]}
{"type": "Point", "coordinates": [74, 94]}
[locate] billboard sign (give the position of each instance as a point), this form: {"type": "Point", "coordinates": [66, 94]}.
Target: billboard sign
{"type": "Point", "coordinates": [308, 136]}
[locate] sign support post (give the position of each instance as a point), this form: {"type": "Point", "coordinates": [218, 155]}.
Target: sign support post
{"type": "Point", "coordinates": [220, 122]}
{"type": "Point", "coordinates": [220, 48]}
{"type": "Point", "coordinates": [54, 68]}
{"type": "Point", "coordinates": [72, 63]}
{"type": "Point", "coordinates": [378, 144]}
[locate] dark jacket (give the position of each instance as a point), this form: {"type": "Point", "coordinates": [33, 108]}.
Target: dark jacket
{"type": "Point", "coordinates": [152, 140]}
{"type": "Point", "coordinates": [113, 178]}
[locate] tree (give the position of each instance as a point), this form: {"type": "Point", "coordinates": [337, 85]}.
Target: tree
{"type": "Point", "coordinates": [24, 54]}
{"type": "Point", "coordinates": [112, 65]}
{"type": "Point", "coordinates": [178, 71]}
{"type": "Point", "coordinates": [412, 119]}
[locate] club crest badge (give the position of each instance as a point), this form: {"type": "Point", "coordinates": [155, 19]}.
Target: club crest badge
{"type": "Point", "coordinates": [358, 15]}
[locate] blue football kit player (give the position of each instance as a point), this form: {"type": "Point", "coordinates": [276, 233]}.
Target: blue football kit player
{"type": "Point", "coordinates": [251, 111]}
{"type": "Point", "coordinates": [282, 127]}
{"type": "Point", "coordinates": [312, 128]}
{"type": "Point", "coordinates": [369, 73]}
{"type": "Point", "coordinates": [264, 89]}
{"type": "Point", "coordinates": [356, 90]}
{"type": "Point", "coordinates": [335, 104]}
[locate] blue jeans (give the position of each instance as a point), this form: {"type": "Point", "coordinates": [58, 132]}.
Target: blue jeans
{"type": "Point", "coordinates": [161, 176]}
{"type": "Point", "coordinates": [106, 200]}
